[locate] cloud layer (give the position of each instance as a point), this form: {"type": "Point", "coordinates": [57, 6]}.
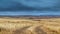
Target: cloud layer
{"type": "Point", "coordinates": [11, 5]}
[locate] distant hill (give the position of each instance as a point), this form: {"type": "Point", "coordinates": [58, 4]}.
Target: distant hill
{"type": "Point", "coordinates": [31, 16]}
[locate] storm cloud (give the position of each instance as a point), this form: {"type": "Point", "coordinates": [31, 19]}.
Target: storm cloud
{"type": "Point", "coordinates": [13, 5]}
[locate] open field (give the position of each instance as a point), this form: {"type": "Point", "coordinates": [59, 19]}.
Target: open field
{"type": "Point", "coordinates": [29, 26]}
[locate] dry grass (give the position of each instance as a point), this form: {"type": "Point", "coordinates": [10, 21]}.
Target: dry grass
{"type": "Point", "coordinates": [29, 26]}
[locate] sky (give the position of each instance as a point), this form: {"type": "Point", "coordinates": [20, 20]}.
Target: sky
{"type": "Point", "coordinates": [29, 7]}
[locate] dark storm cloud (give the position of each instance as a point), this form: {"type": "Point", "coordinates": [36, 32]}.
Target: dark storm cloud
{"type": "Point", "coordinates": [13, 5]}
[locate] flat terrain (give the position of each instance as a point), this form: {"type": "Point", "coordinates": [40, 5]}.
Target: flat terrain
{"type": "Point", "coordinates": [29, 26]}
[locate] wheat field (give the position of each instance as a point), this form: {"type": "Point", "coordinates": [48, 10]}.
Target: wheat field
{"type": "Point", "coordinates": [29, 26]}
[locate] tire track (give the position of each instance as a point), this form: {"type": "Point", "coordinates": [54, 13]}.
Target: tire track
{"type": "Point", "coordinates": [38, 30]}
{"type": "Point", "coordinates": [21, 31]}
